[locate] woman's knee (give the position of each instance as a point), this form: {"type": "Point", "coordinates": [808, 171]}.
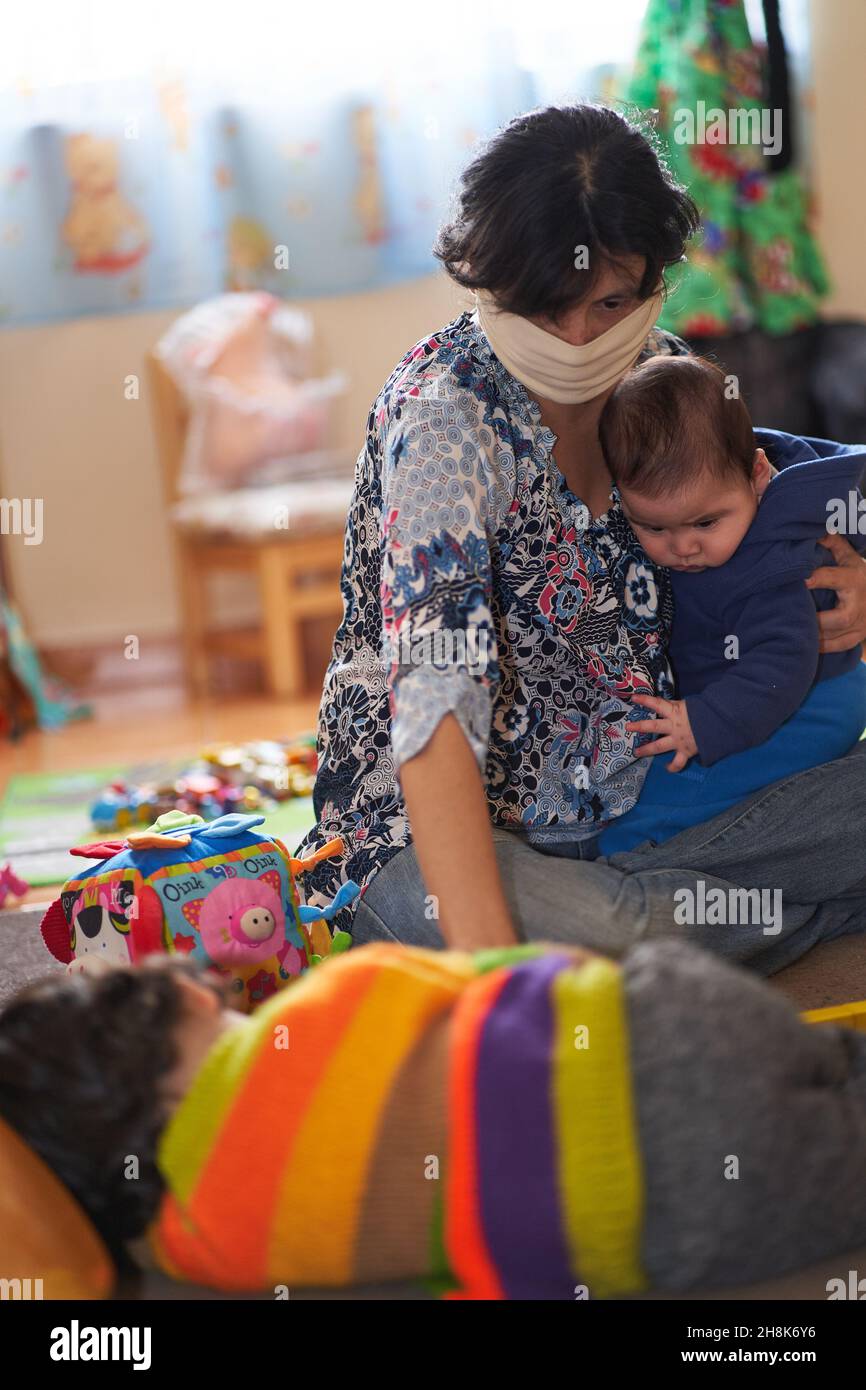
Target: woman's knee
{"type": "Point", "coordinates": [396, 907]}
{"type": "Point", "coordinates": [368, 926]}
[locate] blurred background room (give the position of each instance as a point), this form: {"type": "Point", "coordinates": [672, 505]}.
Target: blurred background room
{"type": "Point", "coordinates": [215, 245]}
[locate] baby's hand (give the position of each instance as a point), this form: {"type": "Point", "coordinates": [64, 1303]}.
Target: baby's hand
{"type": "Point", "coordinates": [674, 726]}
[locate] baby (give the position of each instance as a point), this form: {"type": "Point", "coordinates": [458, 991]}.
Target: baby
{"type": "Point", "coordinates": [528, 1123]}
{"type": "Point", "coordinates": [699, 488]}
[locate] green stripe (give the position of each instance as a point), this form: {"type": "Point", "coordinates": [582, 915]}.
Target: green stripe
{"type": "Point", "coordinates": [496, 956]}
{"type": "Point", "coordinates": [188, 1139]}
{"type": "Point", "coordinates": [441, 1279]}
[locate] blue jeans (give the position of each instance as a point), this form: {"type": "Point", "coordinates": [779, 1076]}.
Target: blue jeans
{"type": "Point", "coordinates": [801, 842]}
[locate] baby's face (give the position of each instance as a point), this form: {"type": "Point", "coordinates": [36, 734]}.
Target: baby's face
{"type": "Point", "coordinates": [698, 529]}
{"type": "Point", "coordinates": [201, 1023]}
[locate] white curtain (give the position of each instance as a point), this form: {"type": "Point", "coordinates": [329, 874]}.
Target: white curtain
{"type": "Point", "coordinates": [156, 154]}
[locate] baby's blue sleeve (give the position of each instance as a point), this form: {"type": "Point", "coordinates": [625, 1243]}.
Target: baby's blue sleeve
{"type": "Point", "coordinates": [777, 639]}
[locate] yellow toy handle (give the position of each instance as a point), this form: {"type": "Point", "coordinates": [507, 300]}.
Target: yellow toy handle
{"type": "Point", "coordinates": [851, 1015]}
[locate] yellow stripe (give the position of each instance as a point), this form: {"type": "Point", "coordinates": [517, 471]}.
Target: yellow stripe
{"type": "Point", "coordinates": [313, 1241]}
{"type": "Point", "coordinates": [600, 1178]}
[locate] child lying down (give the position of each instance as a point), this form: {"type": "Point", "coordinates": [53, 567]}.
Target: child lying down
{"type": "Point", "coordinates": [526, 1123]}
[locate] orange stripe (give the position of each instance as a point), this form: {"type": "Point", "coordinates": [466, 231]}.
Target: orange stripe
{"type": "Point", "coordinates": [183, 1258]}
{"type": "Point", "coordinates": [264, 1121]}
{"type": "Point", "coordinates": [313, 1241]}
{"type": "Point", "coordinates": [465, 1245]}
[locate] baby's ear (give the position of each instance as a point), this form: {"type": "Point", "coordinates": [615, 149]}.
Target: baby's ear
{"type": "Point", "coordinates": [762, 472]}
{"type": "Point", "coordinates": [198, 998]}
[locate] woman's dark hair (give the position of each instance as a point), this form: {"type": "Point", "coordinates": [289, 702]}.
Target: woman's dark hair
{"type": "Point", "coordinates": [81, 1061]}
{"type": "Point", "coordinates": [671, 419]}
{"type": "Point", "coordinates": [554, 179]}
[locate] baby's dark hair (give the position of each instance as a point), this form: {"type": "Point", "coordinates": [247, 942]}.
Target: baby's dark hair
{"type": "Point", "coordinates": [672, 419]}
{"type": "Point", "coordinates": [81, 1061]}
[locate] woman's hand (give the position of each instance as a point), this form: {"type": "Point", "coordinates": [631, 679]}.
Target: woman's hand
{"type": "Point", "coordinates": [673, 724]}
{"type": "Point", "coordinates": [844, 626]}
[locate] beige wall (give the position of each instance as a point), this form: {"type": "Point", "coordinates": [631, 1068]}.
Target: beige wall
{"type": "Point", "coordinates": [838, 53]}
{"type": "Point", "coordinates": [68, 435]}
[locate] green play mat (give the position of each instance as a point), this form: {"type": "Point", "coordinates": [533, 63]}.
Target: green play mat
{"type": "Point", "coordinates": [43, 814]}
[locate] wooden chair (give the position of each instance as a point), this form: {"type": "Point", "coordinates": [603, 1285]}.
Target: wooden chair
{"type": "Point", "coordinates": [297, 571]}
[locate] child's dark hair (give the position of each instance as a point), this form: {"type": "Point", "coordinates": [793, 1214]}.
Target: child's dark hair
{"type": "Point", "coordinates": [671, 419]}
{"type": "Point", "coordinates": [553, 179]}
{"type": "Point", "coordinates": [81, 1061]}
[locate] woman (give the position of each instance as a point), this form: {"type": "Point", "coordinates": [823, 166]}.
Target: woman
{"type": "Point", "coordinates": [500, 616]}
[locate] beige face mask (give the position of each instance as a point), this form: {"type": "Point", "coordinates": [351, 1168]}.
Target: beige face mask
{"type": "Point", "coordinates": [558, 371]}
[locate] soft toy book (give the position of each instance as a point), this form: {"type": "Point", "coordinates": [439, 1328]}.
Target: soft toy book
{"type": "Point", "coordinates": [218, 890]}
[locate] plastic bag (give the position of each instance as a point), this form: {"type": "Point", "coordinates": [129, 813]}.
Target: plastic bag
{"type": "Point", "coordinates": [242, 362]}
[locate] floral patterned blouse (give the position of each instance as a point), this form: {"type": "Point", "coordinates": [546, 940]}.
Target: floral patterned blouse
{"type": "Point", "coordinates": [474, 581]}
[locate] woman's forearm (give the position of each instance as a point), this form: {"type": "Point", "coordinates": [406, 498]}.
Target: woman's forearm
{"type": "Point", "coordinates": [450, 822]}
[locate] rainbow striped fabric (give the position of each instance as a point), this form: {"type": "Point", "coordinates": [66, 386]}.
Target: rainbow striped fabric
{"type": "Point", "coordinates": [401, 1113]}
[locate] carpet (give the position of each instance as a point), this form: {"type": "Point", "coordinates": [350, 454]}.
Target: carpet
{"type": "Point", "coordinates": [833, 973]}
{"type": "Point", "coordinates": [42, 815]}
{"type": "Point", "coordinates": [24, 956]}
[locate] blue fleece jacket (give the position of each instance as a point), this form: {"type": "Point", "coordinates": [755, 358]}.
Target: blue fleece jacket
{"type": "Point", "coordinates": [759, 598]}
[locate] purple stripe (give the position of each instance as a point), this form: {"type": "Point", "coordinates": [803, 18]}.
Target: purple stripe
{"type": "Point", "coordinates": [518, 1195]}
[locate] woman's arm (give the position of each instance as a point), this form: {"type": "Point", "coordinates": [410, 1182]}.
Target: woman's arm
{"type": "Point", "coordinates": [450, 822]}
{"type": "Point", "coordinates": [441, 653]}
